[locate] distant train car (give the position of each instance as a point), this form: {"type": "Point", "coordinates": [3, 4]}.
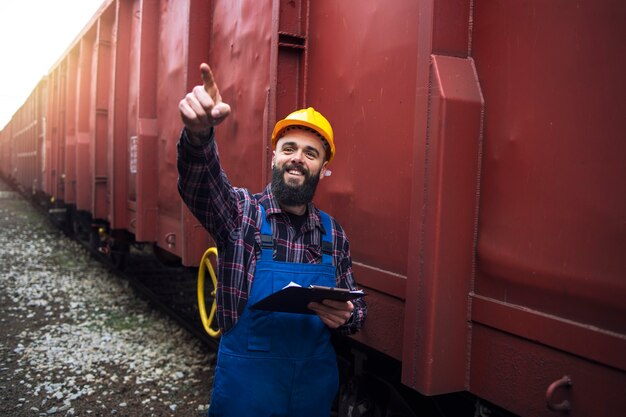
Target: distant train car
{"type": "Point", "coordinates": [22, 142]}
{"type": "Point", "coordinates": [480, 169]}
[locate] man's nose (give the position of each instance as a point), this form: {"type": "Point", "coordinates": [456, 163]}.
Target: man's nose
{"type": "Point", "coordinates": [297, 156]}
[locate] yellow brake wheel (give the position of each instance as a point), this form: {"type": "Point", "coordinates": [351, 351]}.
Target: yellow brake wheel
{"type": "Point", "coordinates": [205, 264]}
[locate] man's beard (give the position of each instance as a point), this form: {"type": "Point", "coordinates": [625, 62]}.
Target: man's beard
{"type": "Point", "coordinates": [293, 195]}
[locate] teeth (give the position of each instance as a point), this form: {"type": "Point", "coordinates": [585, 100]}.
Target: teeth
{"type": "Point", "coordinates": [294, 172]}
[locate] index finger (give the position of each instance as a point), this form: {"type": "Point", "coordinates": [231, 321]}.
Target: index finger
{"type": "Point", "coordinates": [209, 83]}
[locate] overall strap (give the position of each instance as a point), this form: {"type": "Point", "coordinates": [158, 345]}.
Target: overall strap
{"type": "Point", "coordinates": [267, 241]}
{"type": "Point", "coordinates": [327, 239]}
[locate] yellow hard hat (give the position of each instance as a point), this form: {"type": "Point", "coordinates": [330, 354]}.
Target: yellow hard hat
{"type": "Point", "coordinates": [313, 120]}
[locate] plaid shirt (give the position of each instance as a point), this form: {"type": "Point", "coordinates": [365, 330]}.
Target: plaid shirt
{"type": "Point", "coordinates": [231, 215]}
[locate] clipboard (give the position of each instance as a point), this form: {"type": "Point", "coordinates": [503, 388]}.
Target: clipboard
{"type": "Point", "coordinates": [294, 298]}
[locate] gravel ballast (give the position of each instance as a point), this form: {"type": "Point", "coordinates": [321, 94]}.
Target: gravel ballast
{"type": "Point", "coordinates": [77, 340]}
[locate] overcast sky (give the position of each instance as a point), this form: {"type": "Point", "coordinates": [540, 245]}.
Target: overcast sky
{"type": "Point", "coordinates": [33, 35]}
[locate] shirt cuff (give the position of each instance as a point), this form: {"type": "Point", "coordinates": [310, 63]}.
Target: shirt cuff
{"type": "Point", "coordinates": [196, 151]}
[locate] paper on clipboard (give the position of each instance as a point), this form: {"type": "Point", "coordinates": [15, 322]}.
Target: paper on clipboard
{"type": "Point", "coordinates": [294, 299]}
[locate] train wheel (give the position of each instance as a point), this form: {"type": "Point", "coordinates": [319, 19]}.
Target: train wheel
{"type": "Point", "coordinates": [118, 254]}
{"type": "Point", "coordinates": [370, 396]}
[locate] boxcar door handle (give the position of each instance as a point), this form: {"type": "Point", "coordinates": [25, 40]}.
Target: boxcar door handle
{"type": "Point", "coordinates": [564, 406]}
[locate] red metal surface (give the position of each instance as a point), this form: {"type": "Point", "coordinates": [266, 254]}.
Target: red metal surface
{"type": "Point", "coordinates": [148, 180]}
{"type": "Point", "coordinates": [54, 129]}
{"type": "Point", "coordinates": [71, 65]}
{"type": "Point", "coordinates": [22, 141]}
{"type": "Point", "coordinates": [84, 186]}
{"type": "Point", "coordinates": [552, 218]}
{"type": "Point", "coordinates": [99, 116]}
{"type": "Point", "coordinates": [118, 139]}
{"type": "Point", "coordinates": [240, 45]}
{"type": "Point", "coordinates": [516, 373]}
{"type": "Point", "coordinates": [550, 264]}
{"type": "Point", "coordinates": [364, 82]}
{"type": "Point", "coordinates": [436, 323]}
{"type": "Point", "coordinates": [193, 239]}
{"type": "Point", "coordinates": [6, 150]}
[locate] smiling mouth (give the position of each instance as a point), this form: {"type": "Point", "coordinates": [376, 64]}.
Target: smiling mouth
{"type": "Point", "coordinates": [295, 170]}
{"type": "Point", "coordinates": [294, 176]}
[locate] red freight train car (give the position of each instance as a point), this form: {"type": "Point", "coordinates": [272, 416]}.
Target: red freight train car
{"type": "Point", "coordinates": [480, 168]}
{"type": "Point", "coordinates": [22, 141]}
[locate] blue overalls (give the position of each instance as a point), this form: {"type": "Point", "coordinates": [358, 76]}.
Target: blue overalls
{"type": "Point", "coordinates": [278, 364]}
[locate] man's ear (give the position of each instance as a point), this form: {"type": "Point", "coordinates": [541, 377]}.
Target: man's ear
{"type": "Point", "coordinates": [273, 158]}
{"type": "Point", "coordinates": [323, 170]}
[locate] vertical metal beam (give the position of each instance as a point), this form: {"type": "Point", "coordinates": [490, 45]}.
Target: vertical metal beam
{"type": "Point", "coordinates": [195, 239]}
{"type": "Point", "coordinates": [436, 348]}
{"type": "Point", "coordinates": [100, 106]}
{"type": "Point", "coordinates": [83, 135]}
{"type": "Point", "coordinates": [118, 116]}
{"type": "Point", "coordinates": [147, 129]}
{"type": "Point", "coordinates": [70, 127]}
{"type": "Point", "coordinates": [289, 58]}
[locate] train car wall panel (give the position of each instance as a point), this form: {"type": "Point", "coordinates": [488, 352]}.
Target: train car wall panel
{"type": "Point", "coordinates": [194, 239]}
{"type": "Point", "coordinates": [555, 182]}
{"type": "Point", "coordinates": [552, 225]}
{"type": "Point", "coordinates": [147, 127]}
{"type": "Point", "coordinates": [156, 211]}
{"type": "Point", "coordinates": [20, 175]}
{"type": "Point", "coordinates": [99, 116]}
{"type": "Point", "coordinates": [51, 132]}
{"type": "Point", "coordinates": [24, 140]}
{"type": "Point", "coordinates": [233, 37]}
{"type": "Point", "coordinates": [241, 39]}
{"type": "Point", "coordinates": [70, 175]}
{"type": "Point", "coordinates": [51, 176]}
{"type": "Point", "coordinates": [171, 78]}
{"type": "Point", "coordinates": [450, 27]}
{"type": "Point", "coordinates": [62, 127]}
{"type": "Point", "coordinates": [365, 83]}
{"type": "Point", "coordinates": [61, 141]}
{"type": "Point", "coordinates": [169, 81]}
{"type": "Point", "coordinates": [40, 135]}
{"type": "Point", "coordinates": [56, 128]}
{"type": "Point", "coordinates": [131, 115]}
{"type": "Point", "coordinates": [84, 173]}
{"type": "Point", "coordinates": [6, 151]}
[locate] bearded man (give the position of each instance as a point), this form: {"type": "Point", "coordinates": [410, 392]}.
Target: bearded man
{"type": "Point", "coordinates": [269, 363]}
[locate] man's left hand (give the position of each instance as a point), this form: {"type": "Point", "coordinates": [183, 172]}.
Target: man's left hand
{"type": "Point", "coordinates": [333, 313]}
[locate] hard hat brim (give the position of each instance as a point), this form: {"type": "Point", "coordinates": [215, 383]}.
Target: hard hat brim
{"type": "Point", "coordinates": [281, 125]}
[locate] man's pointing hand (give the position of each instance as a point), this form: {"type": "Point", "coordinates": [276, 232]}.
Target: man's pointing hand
{"type": "Point", "coordinates": [203, 107]}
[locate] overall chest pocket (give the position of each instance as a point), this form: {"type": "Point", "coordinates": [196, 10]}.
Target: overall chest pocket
{"type": "Point", "coordinates": [286, 334]}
